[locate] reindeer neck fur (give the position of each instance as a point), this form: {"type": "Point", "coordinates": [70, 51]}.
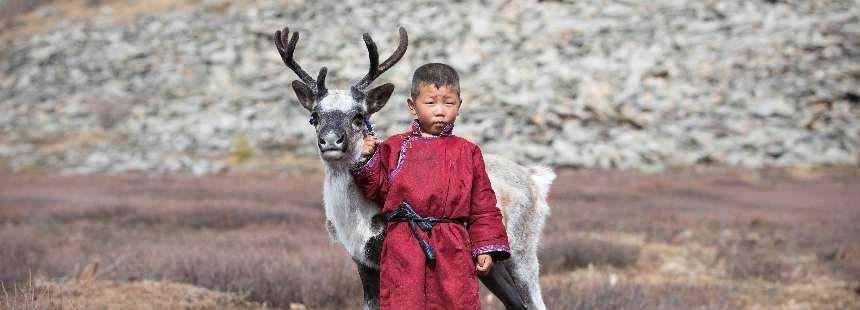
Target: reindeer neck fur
{"type": "Point", "coordinates": [349, 212]}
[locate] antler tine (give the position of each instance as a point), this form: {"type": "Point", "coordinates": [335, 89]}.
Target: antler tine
{"type": "Point", "coordinates": [377, 69]}
{"type": "Point", "coordinates": [321, 89]}
{"type": "Point", "coordinates": [287, 56]}
{"type": "Point", "coordinates": [398, 53]}
{"type": "Point", "coordinates": [373, 53]}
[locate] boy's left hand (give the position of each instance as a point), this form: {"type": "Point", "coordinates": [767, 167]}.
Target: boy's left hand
{"type": "Point", "coordinates": [485, 262]}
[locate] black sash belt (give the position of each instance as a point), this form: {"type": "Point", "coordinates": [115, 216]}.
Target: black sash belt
{"type": "Point", "coordinates": [404, 213]}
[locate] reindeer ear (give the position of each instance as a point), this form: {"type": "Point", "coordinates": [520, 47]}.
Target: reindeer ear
{"type": "Point", "coordinates": [305, 95]}
{"type": "Point", "coordinates": [378, 97]}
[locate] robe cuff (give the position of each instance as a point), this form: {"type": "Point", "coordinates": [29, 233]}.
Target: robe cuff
{"type": "Point", "coordinates": [497, 251]}
{"type": "Point", "coordinates": [366, 169]}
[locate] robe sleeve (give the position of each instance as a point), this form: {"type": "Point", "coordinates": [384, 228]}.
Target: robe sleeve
{"type": "Point", "coordinates": [372, 176]}
{"type": "Point", "coordinates": [486, 230]}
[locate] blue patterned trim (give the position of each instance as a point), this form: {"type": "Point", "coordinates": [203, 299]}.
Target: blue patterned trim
{"type": "Point", "coordinates": [368, 165]}
{"type": "Point", "coordinates": [400, 159]}
{"type": "Point", "coordinates": [448, 130]}
{"type": "Point", "coordinates": [491, 248]}
{"type": "Point", "coordinates": [416, 136]}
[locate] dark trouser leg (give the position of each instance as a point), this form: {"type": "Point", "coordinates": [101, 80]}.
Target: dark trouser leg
{"type": "Point", "coordinates": [500, 282]}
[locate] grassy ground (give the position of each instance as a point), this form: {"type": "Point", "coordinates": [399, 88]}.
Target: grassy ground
{"type": "Point", "coordinates": [771, 239]}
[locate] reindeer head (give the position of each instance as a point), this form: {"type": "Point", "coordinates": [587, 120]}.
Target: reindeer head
{"type": "Point", "coordinates": [340, 116]}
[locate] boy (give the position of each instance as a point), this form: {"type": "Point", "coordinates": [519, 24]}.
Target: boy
{"type": "Point", "coordinates": [443, 225]}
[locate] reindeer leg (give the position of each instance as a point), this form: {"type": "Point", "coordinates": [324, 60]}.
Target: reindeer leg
{"type": "Point", "coordinates": [370, 276]}
{"type": "Point", "coordinates": [525, 272]}
{"type": "Point", "coordinates": [370, 284]}
{"type": "Point", "coordinates": [499, 282]}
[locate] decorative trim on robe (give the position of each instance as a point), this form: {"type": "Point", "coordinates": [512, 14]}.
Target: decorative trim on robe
{"type": "Point", "coordinates": [400, 159]}
{"type": "Point", "coordinates": [498, 251]}
{"type": "Point", "coordinates": [366, 168]}
{"type": "Point", "coordinates": [416, 135]}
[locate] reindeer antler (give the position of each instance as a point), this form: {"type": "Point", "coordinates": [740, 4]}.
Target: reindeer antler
{"type": "Point", "coordinates": [318, 85]}
{"type": "Point", "coordinates": [376, 69]}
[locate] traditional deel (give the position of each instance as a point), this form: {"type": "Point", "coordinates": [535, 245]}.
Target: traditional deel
{"type": "Point", "coordinates": [434, 190]}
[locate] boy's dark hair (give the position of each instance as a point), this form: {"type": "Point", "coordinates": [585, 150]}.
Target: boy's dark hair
{"type": "Point", "coordinates": [438, 74]}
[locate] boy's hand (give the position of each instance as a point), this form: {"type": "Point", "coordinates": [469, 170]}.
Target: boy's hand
{"type": "Point", "coordinates": [370, 143]}
{"type": "Point", "coordinates": [485, 262]}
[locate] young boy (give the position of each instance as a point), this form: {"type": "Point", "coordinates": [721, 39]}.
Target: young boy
{"type": "Point", "coordinates": [443, 225]}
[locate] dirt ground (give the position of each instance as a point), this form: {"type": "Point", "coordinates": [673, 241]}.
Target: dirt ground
{"type": "Point", "coordinates": [709, 238]}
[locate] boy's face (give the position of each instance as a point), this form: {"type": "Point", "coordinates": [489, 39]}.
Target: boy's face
{"type": "Point", "coordinates": [435, 107]}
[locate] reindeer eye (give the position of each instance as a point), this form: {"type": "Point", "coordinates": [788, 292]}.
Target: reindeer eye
{"type": "Point", "coordinates": [314, 120]}
{"type": "Point", "coordinates": [358, 120]}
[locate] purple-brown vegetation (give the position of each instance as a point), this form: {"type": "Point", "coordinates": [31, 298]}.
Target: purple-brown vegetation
{"type": "Point", "coordinates": [614, 240]}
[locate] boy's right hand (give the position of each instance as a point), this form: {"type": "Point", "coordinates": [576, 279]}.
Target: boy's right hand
{"type": "Point", "coordinates": [370, 143]}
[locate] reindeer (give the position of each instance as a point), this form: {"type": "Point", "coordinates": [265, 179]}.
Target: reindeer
{"type": "Point", "coordinates": [341, 120]}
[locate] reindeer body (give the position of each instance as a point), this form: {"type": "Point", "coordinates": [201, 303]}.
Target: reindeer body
{"type": "Point", "coordinates": [340, 118]}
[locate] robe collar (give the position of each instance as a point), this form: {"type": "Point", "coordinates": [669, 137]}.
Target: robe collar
{"type": "Point", "coordinates": [447, 131]}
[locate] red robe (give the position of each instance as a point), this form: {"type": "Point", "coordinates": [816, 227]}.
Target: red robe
{"type": "Point", "coordinates": [444, 177]}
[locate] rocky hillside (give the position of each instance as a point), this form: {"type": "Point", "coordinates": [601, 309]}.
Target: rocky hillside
{"type": "Point", "coordinates": [596, 83]}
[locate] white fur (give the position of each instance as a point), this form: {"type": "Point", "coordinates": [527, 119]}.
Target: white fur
{"type": "Point", "coordinates": [521, 196]}
{"type": "Point", "coordinates": [338, 100]}
{"type": "Point", "coordinates": [347, 209]}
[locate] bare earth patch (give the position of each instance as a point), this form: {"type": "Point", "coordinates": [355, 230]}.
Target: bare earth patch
{"type": "Point", "coordinates": [132, 296]}
{"type": "Point", "coordinates": [24, 17]}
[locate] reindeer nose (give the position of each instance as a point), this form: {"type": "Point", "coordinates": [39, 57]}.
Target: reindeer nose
{"type": "Point", "coordinates": [331, 141]}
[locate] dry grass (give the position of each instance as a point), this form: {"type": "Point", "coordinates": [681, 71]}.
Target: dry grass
{"type": "Point", "coordinates": [614, 240]}
{"type": "Point", "coordinates": [756, 264]}
{"type": "Point", "coordinates": [98, 294]}
{"type": "Point", "coordinates": [562, 253]}
{"type": "Point", "coordinates": [270, 245]}
{"type": "Point", "coordinates": [26, 295]}
{"type": "Point", "coordinates": [15, 8]}
{"type": "Point", "coordinates": [20, 247]}
{"type": "Point", "coordinates": [18, 17]}
{"type": "Point", "coordinates": [582, 295]}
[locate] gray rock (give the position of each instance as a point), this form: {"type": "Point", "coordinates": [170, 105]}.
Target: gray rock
{"type": "Point", "coordinates": [772, 107]}
{"type": "Point", "coordinates": [583, 84]}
